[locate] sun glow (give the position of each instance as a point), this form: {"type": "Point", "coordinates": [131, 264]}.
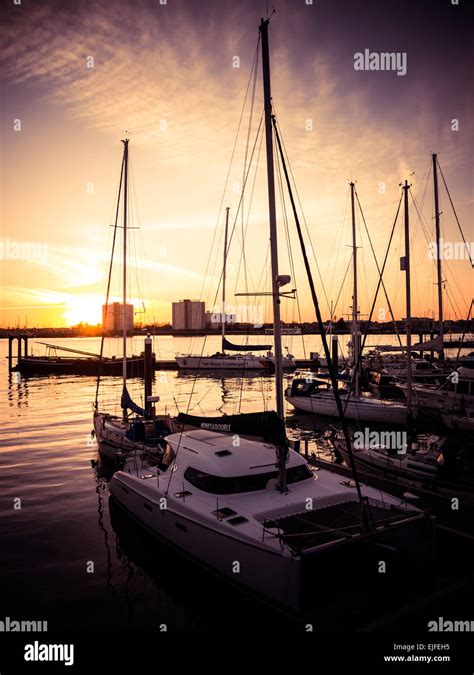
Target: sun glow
{"type": "Point", "coordinates": [83, 309]}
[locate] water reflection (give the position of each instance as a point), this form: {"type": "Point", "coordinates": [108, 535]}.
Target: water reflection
{"type": "Point", "coordinates": [17, 390]}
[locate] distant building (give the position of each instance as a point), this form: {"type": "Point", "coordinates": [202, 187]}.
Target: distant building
{"type": "Point", "coordinates": [189, 315]}
{"type": "Point", "coordinates": [112, 317]}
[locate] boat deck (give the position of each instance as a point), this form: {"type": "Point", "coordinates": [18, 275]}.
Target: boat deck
{"type": "Point", "coordinates": [320, 526]}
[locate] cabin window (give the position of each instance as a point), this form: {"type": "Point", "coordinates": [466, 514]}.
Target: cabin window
{"type": "Point", "coordinates": [224, 485]}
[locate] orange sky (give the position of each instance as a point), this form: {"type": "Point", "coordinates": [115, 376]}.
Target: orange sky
{"type": "Point", "coordinates": [164, 78]}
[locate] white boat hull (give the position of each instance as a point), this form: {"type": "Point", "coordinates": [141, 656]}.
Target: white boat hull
{"type": "Point", "coordinates": [240, 362]}
{"type": "Point", "coordinates": [112, 439]}
{"type": "Point", "coordinates": [269, 573]}
{"type": "Point", "coordinates": [458, 422]}
{"type": "Point", "coordinates": [245, 532]}
{"type": "Point", "coordinates": [362, 410]}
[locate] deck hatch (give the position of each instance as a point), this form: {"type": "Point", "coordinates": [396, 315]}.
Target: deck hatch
{"type": "Point", "coordinates": [238, 520]}
{"type": "Point", "coordinates": [224, 513]}
{"type": "Point", "coordinates": [223, 453]}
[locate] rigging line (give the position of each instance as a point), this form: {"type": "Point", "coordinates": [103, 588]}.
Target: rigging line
{"type": "Point", "coordinates": [108, 283]}
{"type": "Point", "coordinates": [465, 328]}
{"type": "Point", "coordinates": [378, 269]}
{"type": "Point", "coordinates": [233, 230]}
{"type": "Point", "coordinates": [230, 166]}
{"type": "Point", "coordinates": [222, 272]}
{"type": "Point", "coordinates": [382, 271]}
{"type": "Point", "coordinates": [453, 302]}
{"type": "Point", "coordinates": [424, 226]}
{"type": "Point", "coordinates": [342, 285]}
{"type": "Point", "coordinates": [285, 154]}
{"type": "Point", "coordinates": [257, 289]}
{"type": "Point", "coordinates": [249, 209]}
{"type": "Point", "coordinates": [337, 246]}
{"type": "Point", "coordinates": [424, 182]}
{"type": "Point", "coordinates": [447, 263]}
{"type": "Point", "coordinates": [285, 218]}
{"type": "Point", "coordinates": [363, 341]}
{"type": "Point", "coordinates": [454, 211]}
{"type": "Point", "coordinates": [286, 228]}
{"type": "Point", "coordinates": [252, 104]}
{"type": "Point", "coordinates": [290, 251]}
{"type": "Point", "coordinates": [332, 370]}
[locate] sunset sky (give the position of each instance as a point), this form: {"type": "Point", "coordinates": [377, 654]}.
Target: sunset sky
{"type": "Point", "coordinates": [164, 75]}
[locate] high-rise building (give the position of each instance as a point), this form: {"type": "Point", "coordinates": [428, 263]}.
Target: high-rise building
{"type": "Point", "coordinates": [189, 315]}
{"type": "Point", "coordinates": [112, 317]}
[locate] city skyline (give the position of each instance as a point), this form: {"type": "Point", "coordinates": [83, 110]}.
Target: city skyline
{"type": "Point", "coordinates": [77, 79]}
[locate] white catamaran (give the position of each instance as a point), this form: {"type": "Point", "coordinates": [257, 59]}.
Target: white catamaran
{"type": "Point", "coordinates": [254, 512]}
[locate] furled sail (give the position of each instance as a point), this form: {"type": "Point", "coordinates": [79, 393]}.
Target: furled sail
{"type": "Point", "coordinates": [266, 425]}
{"type": "Point", "coordinates": [436, 345]}
{"type": "Point", "coordinates": [244, 348]}
{"type": "Point", "coordinates": [126, 402]}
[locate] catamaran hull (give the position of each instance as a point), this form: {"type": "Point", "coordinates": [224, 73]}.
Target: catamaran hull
{"type": "Point", "coordinates": [268, 573]}
{"type": "Point", "coordinates": [275, 575]}
{"type": "Point", "coordinates": [354, 410]}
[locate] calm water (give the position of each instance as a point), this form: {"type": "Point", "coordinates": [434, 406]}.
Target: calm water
{"type": "Point", "coordinates": [67, 526]}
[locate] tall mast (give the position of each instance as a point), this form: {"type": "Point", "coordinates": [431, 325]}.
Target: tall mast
{"type": "Point", "coordinates": [224, 272]}
{"type": "Point", "coordinates": [124, 302]}
{"type": "Point", "coordinates": [438, 255]}
{"type": "Point", "coordinates": [406, 187]}
{"type": "Point", "coordinates": [282, 455]}
{"type": "Point", "coordinates": [355, 318]}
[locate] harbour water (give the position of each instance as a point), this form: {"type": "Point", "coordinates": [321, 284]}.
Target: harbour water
{"type": "Point", "coordinates": [71, 558]}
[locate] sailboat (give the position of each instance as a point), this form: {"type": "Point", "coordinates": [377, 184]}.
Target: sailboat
{"type": "Point", "coordinates": [254, 512]}
{"type": "Point", "coordinates": [137, 428]}
{"type": "Point", "coordinates": [236, 360]}
{"type": "Point", "coordinates": [309, 393]}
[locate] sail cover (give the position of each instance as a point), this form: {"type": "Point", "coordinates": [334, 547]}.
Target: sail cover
{"type": "Point", "coordinates": [244, 348]}
{"type": "Point", "coordinates": [126, 402]}
{"type": "Point", "coordinates": [266, 425]}
{"type": "Point", "coordinates": [436, 345]}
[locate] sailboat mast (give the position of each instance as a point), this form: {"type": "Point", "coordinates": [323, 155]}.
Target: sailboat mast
{"type": "Point", "coordinates": [406, 187]}
{"type": "Point", "coordinates": [272, 217]}
{"type": "Point", "coordinates": [224, 274]}
{"type": "Point", "coordinates": [124, 302]}
{"type": "Point", "coordinates": [355, 318]}
{"type": "Point", "coordinates": [273, 243]}
{"type": "Point", "coordinates": [438, 255]}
